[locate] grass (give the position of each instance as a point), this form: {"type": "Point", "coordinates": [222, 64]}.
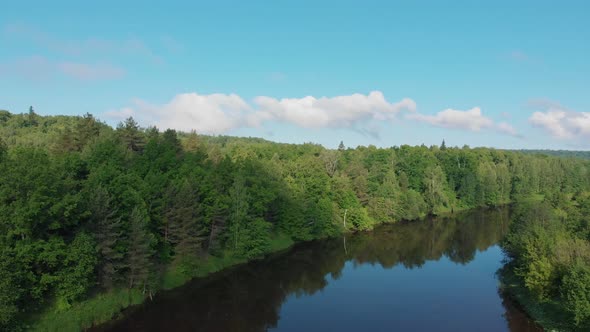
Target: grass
{"type": "Point", "coordinates": [280, 242]}
{"type": "Point", "coordinates": [549, 314]}
{"type": "Point", "coordinates": [175, 276]}
{"type": "Point", "coordinates": [107, 306]}
{"type": "Point", "coordinates": [100, 308]}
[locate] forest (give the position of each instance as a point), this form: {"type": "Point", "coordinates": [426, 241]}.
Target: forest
{"type": "Point", "coordinates": [549, 268]}
{"type": "Point", "coordinates": [95, 218]}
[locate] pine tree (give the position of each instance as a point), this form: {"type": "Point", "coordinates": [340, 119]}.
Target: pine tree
{"type": "Point", "coordinates": [87, 129]}
{"type": "Point", "coordinates": [239, 210]}
{"type": "Point", "coordinates": [139, 251]}
{"type": "Point", "coordinates": [185, 226]}
{"type": "Point", "coordinates": [218, 225]}
{"type": "Point", "coordinates": [170, 139]}
{"type": "Point", "coordinates": [108, 235]}
{"type": "Point", "coordinates": [131, 135]}
{"type": "Point", "coordinates": [341, 146]}
{"type": "Point", "coordinates": [32, 118]}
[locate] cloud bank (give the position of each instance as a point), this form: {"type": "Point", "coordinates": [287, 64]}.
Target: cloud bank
{"type": "Point", "coordinates": [362, 113]}
{"type": "Point", "coordinates": [470, 120]}
{"type": "Point", "coordinates": [220, 113]}
{"type": "Point", "coordinates": [340, 111]}
{"type": "Point", "coordinates": [560, 122]}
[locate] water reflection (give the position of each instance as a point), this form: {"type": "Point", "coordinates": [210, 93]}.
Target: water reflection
{"type": "Point", "coordinates": [250, 297]}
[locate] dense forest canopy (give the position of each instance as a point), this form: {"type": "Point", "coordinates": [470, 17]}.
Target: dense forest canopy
{"type": "Point", "coordinates": [86, 208]}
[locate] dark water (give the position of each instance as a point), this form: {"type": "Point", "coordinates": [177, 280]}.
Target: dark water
{"type": "Point", "coordinates": [432, 275]}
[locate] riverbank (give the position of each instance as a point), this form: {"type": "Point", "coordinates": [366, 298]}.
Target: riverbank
{"type": "Point", "coordinates": [108, 306]}
{"type": "Point", "coordinates": [400, 272]}
{"type": "Point", "coordinates": [548, 314]}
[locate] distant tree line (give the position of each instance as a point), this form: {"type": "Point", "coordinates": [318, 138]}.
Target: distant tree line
{"type": "Point", "coordinates": [561, 153]}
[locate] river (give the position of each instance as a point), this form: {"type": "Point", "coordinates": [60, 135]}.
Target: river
{"type": "Point", "coordinates": [437, 274]}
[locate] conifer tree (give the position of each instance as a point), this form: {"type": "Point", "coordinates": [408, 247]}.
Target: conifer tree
{"type": "Point", "coordinates": [239, 210]}
{"type": "Point", "coordinates": [139, 251]}
{"type": "Point", "coordinates": [130, 135]}
{"type": "Point", "coordinates": [185, 224]}
{"type": "Point", "coordinates": [87, 129]}
{"type": "Point", "coordinates": [108, 233]}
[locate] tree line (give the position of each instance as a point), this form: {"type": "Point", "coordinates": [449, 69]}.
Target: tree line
{"type": "Point", "coordinates": [86, 208]}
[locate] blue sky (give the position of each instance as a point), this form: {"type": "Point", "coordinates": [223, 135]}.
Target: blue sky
{"type": "Point", "coordinates": [507, 74]}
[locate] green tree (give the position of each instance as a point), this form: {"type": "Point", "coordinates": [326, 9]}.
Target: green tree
{"type": "Point", "coordinates": [32, 117]}
{"type": "Point", "coordinates": [76, 276]}
{"type": "Point", "coordinates": [186, 230]}
{"type": "Point", "coordinates": [87, 129]}
{"type": "Point", "coordinates": [412, 205]}
{"type": "Point", "coordinates": [139, 253]}
{"type": "Point", "coordinates": [130, 135]}
{"type": "Point", "coordinates": [239, 211]}
{"type": "Point", "coordinates": [434, 184]}
{"type": "Point", "coordinates": [488, 190]}
{"type": "Point", "coordinates": [576, 291]}
{"type": "Point", "coordinates": [12, 287]}
{"type": "Point", "coordinates": [109, 236]}
{"type": "Point", "coordinates": [3, 150]}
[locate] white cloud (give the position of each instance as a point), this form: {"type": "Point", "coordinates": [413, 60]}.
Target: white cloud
{"type": "Point", "coordinates": [472, 120]}
{"type": "Point", "coordinates": [120, 114]}
{"type": "Point", "coordinates": [506, 128]}
{"type": "Point", "coordinates": [560, 122]}
{"type": "Point", "coordinates": [208, 114]}
{"type": "Point", "coordinates": [220, 113]}
{"type": "Point", "coordinates": [340, 111]}
{"type": "Point", "coordinates": [455, 119]}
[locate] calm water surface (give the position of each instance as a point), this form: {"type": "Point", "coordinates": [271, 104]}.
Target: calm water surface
{"type": "Point", "coordinates": [431, 275]}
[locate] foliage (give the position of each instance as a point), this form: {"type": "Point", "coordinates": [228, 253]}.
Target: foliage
{"type": "Point", "coordinates": [87, 209]}
{"type": "Point", "coordinates": [576, 291]}
{"type": "Point", "coordinates": [550, 255]}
